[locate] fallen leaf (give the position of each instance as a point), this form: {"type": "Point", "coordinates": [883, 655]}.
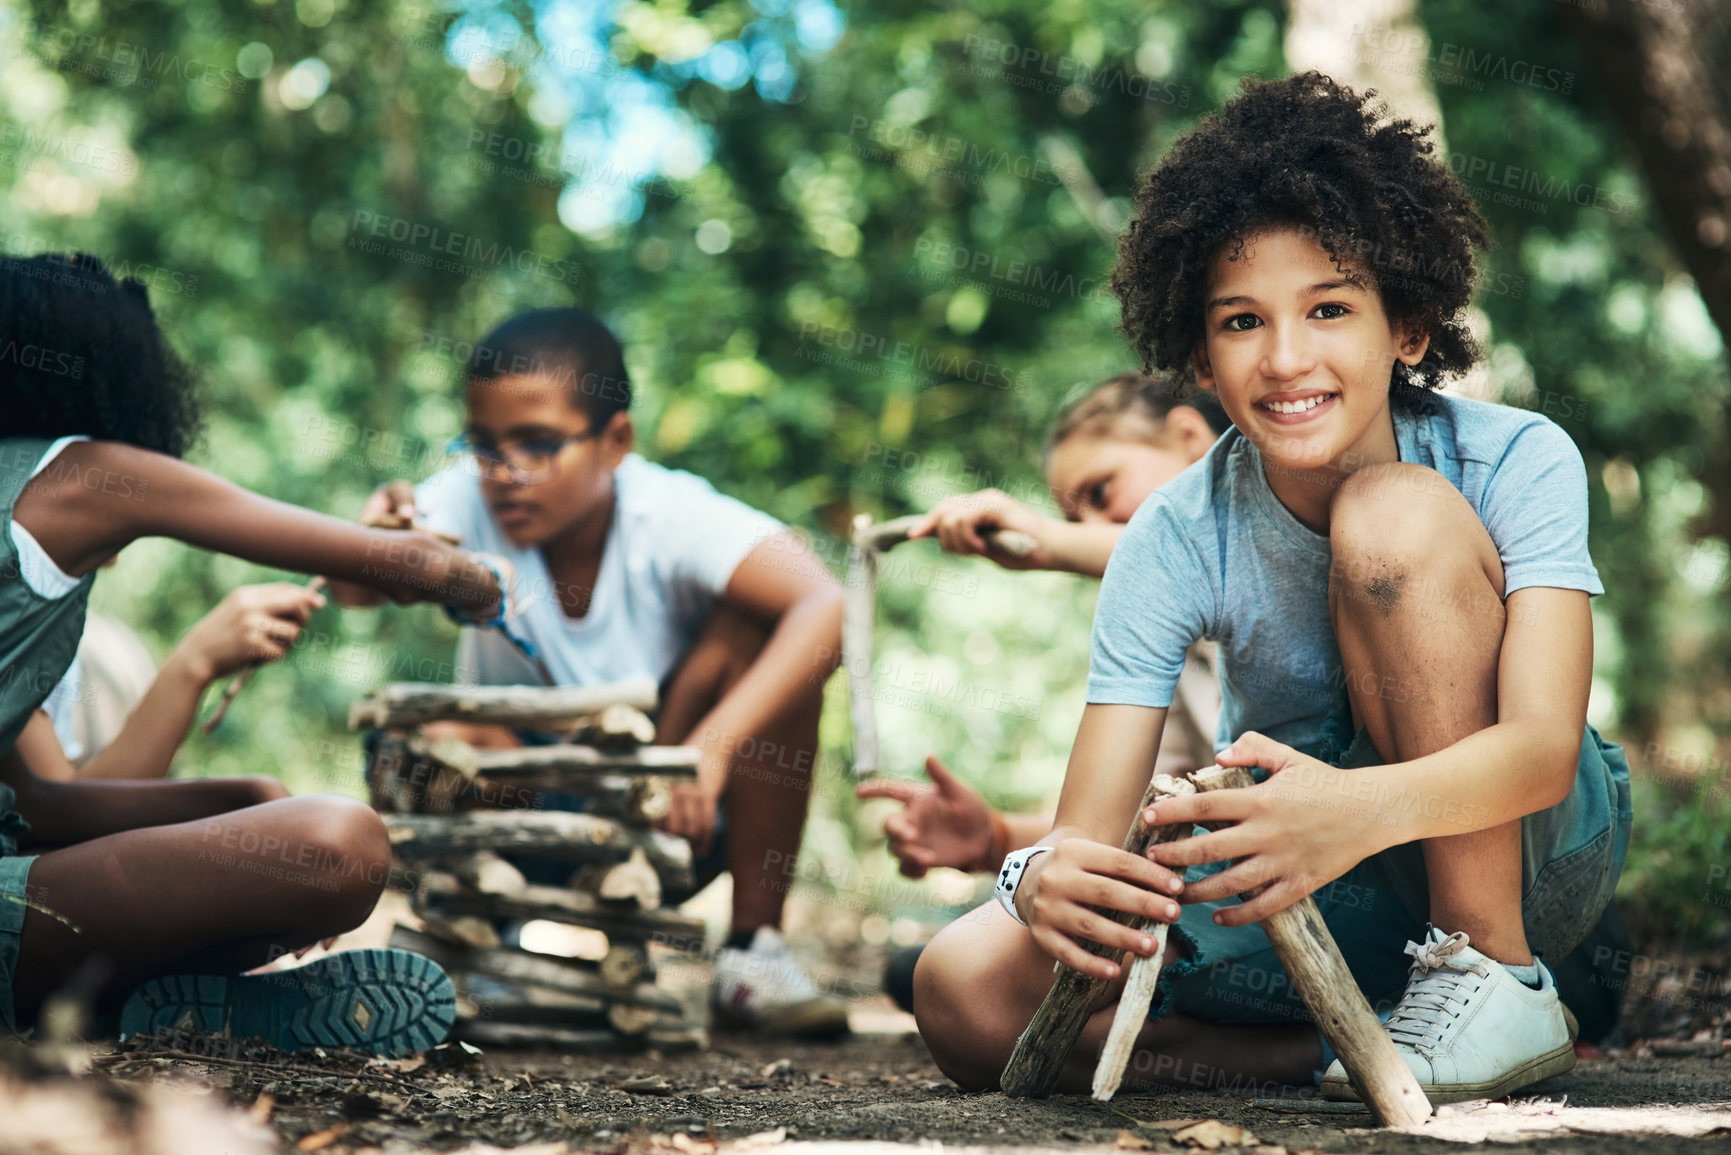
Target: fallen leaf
{"type": "Point", "coordinates": [1131, 1141]}
{"type": "Point", "coordinates": [647, 1085]}
{"type": "Point", "coordinates": [1169, 1124]}
{"type": "Point", "coordinates": [776, 1068]}
{"type": "Point", "coordinates": [261, 1108]}
{"type": "Point", "coordinates": [319, 1140]}
{"type": "Point", "coordinates": [1212, 1133]}
{"type": "Point", "coordinates": [762, 1139]}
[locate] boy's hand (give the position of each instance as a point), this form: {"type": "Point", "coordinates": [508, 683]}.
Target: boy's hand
{"type": "Point", "coordinates": [252, 624]}
{"type": "Point", "coordinates": [692, 814]}
{"type": "Point", "coordinates": [957, 523]}
{"type": "Point", "coordinates": [1060, 889]}
{"type": "Point", "coordinates": [392, 506]}
{"type": "Point", "coordinates": [944, 824]}
{"type": "Point", "coordinates": [1300, 830]}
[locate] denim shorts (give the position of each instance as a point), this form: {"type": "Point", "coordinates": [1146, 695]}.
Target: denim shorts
{"type": "Point", "coordinates": [1572, 855]}
{"type": "Point", "coordinates": [14, 872]}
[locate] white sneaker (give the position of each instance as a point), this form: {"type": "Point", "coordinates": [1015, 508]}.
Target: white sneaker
{"type": "Point", "coordinates": [762, 988]}
{"type": "Point", "coordinates": [1469, 1029]}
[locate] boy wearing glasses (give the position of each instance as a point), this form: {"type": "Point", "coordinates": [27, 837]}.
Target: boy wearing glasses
{"type": "Point", "coordinates": [624, 569]}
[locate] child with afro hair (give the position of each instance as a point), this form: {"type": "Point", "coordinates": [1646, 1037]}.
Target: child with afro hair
{"type": "Point", "coordinates": [1398, 581]}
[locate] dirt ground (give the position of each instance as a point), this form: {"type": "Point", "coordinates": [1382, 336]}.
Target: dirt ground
{"type": "Point", "coordinates": [845, 1098]}
{"type": "Point", "coordinates": [1663, 1083]}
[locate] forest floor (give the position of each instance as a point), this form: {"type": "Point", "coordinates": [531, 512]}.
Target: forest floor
{"type": "Point", "coordinates": [860, 1096]}
{"type": "Point", "coordinates": [1662, 1083]}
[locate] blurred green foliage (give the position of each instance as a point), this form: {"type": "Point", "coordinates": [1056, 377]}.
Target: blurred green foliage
{"type": "Point", "coordinates": [876, 293]}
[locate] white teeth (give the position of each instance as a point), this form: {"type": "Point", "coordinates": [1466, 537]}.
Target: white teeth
{"type": "Point", "coordinates": [1297, 406]}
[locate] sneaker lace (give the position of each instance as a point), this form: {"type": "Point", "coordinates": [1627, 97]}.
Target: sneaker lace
{"type": "Point", "coordinates": [1440, 984]}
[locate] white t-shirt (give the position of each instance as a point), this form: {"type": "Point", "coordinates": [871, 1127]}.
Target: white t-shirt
{"type": "Point", "coordinates": [671, 549]}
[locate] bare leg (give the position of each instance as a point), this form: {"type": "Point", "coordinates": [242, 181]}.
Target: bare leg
{"type": "Point", "coordinates": [769, 779]}
{"type": "Point", "coordinates": [215, 895]}
{"type": "Point", "coordinates": [980, 980]}
{"type": "Point", "coordinates": [1416, 597]}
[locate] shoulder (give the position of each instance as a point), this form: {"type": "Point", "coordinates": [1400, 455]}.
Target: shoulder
{"type": "Point", "coordinates": [1493, 433]}
{"type": "Point", "coordinates": [1187, 504]}
{"type": "Point", "coordinates": [652, 492]}
{"type": "Point", "coordinates": [644, 484]}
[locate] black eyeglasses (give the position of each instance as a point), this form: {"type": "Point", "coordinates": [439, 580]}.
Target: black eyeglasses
{"type": "Point", "coordinates": [526, 462]}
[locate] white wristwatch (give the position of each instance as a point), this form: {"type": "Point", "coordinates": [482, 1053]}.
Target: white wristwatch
{"type": "Point", "coordinates": [1010, 877]}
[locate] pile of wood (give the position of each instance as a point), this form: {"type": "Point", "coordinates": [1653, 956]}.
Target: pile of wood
{"type": "Point", "coordinates": [463, 820]}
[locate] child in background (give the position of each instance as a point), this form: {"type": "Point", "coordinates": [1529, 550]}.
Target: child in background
{"type": "Point", "coordinates": [169, 890]}
{"type": "Point", "coordinates": [108, 732]}
{"type": "Point", "coordinates": [1109, 450]}
{"type": "Point", "coordinates": [626, 569]}
{"type": "Point", "coordinates": [1399, 583]}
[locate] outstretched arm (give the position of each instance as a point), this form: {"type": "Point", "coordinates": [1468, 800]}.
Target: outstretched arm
{"type": "Point", "coordinates": [1072, 547]}
{"type": "Point", "coordinates": [109, 494]}
{"type": "Point", "coordinates": [949, 824]}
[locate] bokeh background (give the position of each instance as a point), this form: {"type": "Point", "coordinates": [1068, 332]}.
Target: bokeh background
{"type": "Point", "coordinates": [857, 254]}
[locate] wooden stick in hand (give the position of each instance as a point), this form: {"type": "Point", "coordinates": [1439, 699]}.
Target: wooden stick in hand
{"type": "Point", "coordinates": [239, 681]}
{"type": "Point", "coordinates": [1313, 962]}
{"type": "Point", "coordinates": [1138, 993]}
{"type": "Point", "coordinates": [1045, 1046]}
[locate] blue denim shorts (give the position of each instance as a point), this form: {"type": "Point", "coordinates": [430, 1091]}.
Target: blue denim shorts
{"type": "Point", "coordinates": [14, 874]}
{"type": "Point", "coordinates": [1572, 856]}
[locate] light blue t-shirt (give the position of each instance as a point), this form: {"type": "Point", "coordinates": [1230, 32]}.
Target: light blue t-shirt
{"type": "Point", "coordinates": [1214, 554]}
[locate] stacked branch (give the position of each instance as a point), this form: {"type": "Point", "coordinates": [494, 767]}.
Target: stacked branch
{"type": "Point", "coordinates": [1307, 952]}
{"type": "Point", "coordinates": [467, 822]}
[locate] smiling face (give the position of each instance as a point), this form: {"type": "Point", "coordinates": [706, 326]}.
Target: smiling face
{"type": "Point", "coordinates": [529, 409]}
{"type": "Point", "coordinates": [1302, 356]}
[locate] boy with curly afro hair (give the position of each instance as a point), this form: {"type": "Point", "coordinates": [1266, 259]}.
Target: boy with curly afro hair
{"type": "Point", "coordinates": [1398, 580]}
